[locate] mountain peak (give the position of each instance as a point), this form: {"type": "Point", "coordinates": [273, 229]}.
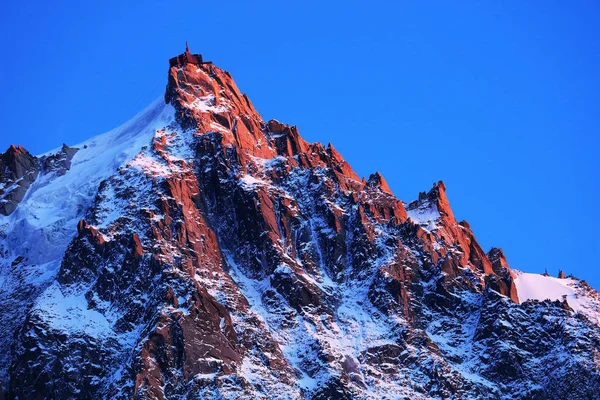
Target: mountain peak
{"type": "Point", "coordinates": [199, 249]}
{"type": "Point", "coordinates": [18, 170]}
{"type": "Point", "coordinates": [378, 180]}
{"type": "Point", "coordinates": [206, 99]}
{"type": "Point", "coordinates": [187, 58]}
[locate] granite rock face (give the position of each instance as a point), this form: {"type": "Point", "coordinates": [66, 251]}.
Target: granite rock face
{"type": "Point", "coordinates": [229, 258]}
{"type": "Point", "coordinates": [18, 170]}
{"type": "Point", "coordinates": [59, 162]}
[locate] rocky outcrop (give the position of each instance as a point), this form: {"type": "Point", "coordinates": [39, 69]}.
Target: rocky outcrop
{"type": "Point", "coordinates": [59, 162]}
{"type": "Point", "coordinates": [453, 245]}
{"type": "Point", "coordinates": [18, 170]}
{"type": "Point", "coordinates": [376, 180]}
{"type": "Point", "coordinates": [505, 281]}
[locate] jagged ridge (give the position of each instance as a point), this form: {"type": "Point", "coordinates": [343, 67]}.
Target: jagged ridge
{"type": "Point", "coordinates": [231, 258]}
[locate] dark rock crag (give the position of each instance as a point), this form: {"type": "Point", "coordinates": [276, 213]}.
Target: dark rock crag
{"type": "Point", "coordinates": [19, 169]}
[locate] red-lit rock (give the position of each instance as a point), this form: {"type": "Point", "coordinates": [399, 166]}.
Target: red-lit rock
{"type": "Point", "coordinates": [230, 258]}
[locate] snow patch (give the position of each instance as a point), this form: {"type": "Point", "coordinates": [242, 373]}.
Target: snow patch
{"type": "Point", "coordinates": [249, 182]}
{"type": "Point", "coordinates": [70, 313]}
{"type": "Point", "coordinates": [208, 104]}
{"type": "Point", "coordinates": [46, 220]}
{"type": "Point", "coordinates": [425, 215]}
{"type": "Point", "coordinates": [541, 287]}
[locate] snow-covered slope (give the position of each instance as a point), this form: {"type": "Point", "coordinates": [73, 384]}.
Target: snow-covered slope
{"type": "Point", "coordinates": [34, 238]}
{"type": "Point", "coordinates": [46, 220]}
{"type": "Point", "coordinates": [579, 296]}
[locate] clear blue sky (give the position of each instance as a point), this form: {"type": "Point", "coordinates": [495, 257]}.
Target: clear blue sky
{"type": "Point", "coordinates": [500, 99]}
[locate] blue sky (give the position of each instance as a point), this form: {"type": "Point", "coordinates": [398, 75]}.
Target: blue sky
{"type": "Point", "coordinates": [498, 99]}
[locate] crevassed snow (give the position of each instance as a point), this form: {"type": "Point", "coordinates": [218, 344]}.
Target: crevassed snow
{"type": "Point", "coordinates": [46, 220]}
{"type": "Point", "coordinates": [541, 287]}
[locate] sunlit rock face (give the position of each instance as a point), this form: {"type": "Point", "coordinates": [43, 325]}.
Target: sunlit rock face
{"type": "Point", "coordinates": [200, 252]}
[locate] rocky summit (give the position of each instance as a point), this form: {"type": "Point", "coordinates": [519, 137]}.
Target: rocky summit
{"type": "Point", "coordinates": [200, 252]}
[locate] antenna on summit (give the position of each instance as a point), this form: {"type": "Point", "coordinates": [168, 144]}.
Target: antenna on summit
{"type": "Point", "coordinates": [187, 58]}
